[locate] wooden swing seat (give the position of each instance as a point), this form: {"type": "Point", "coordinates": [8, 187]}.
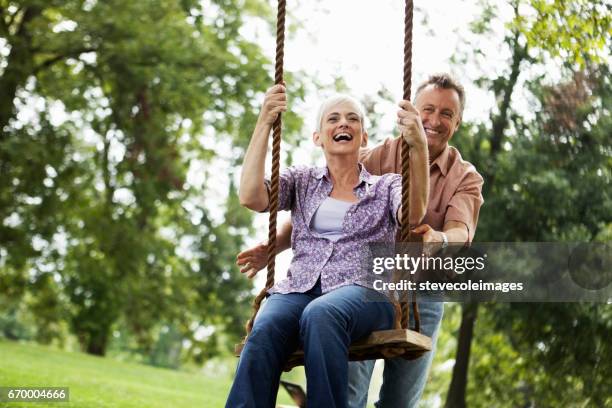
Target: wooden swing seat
{"type": "Point", "coordinates": [406, 343]}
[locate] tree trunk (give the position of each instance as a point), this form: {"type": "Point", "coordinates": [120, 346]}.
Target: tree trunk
{"type": "Point", "coordinates": [457, 389]}
{"type": "Point", "coordinates": [97, 342]}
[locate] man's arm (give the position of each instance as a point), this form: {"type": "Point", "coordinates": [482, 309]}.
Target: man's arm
{"type": "Point", "coordinates": [419, 183]}
{"type": "Point", "coordinates": [461, 215]}
{"type": "Point", "coordinates": [254, 259]}
{"type": "Point", "coordinates": [456, 232]}
{"type": "Point", "coordinates": [464, 206]}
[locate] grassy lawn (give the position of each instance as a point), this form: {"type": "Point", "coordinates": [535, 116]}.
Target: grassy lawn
{"type": "Point", "coordinates": [103, 382]}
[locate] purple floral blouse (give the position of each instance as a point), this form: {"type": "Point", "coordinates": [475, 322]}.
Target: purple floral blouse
{"type": "Point", "coordinates": [371, 219]}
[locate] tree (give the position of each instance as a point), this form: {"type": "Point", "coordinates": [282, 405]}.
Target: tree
{"type": "Point", "coordinates": [567, 162]}
{"type": "Point", "coordinates": [536, 33]}
{"type": "Point", "coordinates": [99, 197]}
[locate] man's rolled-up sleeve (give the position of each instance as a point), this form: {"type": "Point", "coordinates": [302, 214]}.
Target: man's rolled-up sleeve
{"type": "Point", "coordinates": [465, 204]}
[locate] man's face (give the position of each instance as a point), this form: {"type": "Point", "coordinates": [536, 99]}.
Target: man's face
{"type": "Point", "coordinates": [440, 111]}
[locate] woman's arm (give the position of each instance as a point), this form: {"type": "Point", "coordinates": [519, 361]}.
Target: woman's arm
{"type": "Point", "coordinates": [252, 192]}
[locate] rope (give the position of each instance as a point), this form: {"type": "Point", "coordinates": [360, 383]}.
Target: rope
{"type": "Point", "coordinates": [276, 142]}
{"type": "Point", "coordinates": [405, 232]}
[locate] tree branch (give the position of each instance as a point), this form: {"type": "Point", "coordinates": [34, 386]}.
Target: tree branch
{"type": "Point", "coordinates": [500, 122]}
{"type": "Point", "coordinates": [73, 53]}
{"type": "Point", "coordinates": [4, 27]}
{"type": "Point", "coordinates": [28, 15]}
{"type": "Point", "coordinates": [13, 16]}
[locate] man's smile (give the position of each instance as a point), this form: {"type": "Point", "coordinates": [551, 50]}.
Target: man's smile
{"type": "Point", "coordinates": [431, 132]}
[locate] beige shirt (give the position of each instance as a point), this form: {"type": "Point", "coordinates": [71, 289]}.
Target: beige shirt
{"type": "Point", "coordinates": [455, 189]}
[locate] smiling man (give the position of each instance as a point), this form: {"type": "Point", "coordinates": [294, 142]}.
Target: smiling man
{"type": "Point", "coordinates": [451, 216]}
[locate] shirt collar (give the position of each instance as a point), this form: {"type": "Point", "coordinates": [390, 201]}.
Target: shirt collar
{"type": "Point", "coordinates": [442, 161]}
{"type": "Point", "coordinates": [364, 176]}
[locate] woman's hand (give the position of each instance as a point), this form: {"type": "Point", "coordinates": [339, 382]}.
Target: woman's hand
{"type": "Point", "coordinates": [410, 125]}
{"type": "Point", "coordinates": [252, 192]}
{"type": "Point", "coordinates": [275, 102]}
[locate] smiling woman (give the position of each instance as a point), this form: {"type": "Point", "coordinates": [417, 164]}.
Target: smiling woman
{"type": "Point", "coordinates": [327, 301]}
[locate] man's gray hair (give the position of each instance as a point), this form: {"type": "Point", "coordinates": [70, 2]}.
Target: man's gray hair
{"type": "Point", "coordinates": [336, 100]}
{"type": "Point", "coordinates": [445, 81]}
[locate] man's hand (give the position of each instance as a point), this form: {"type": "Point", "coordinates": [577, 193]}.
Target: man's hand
{"type": "Point", "coordinates": [432, 239]}
{"type": "Point", "coordinates": [253, 260]}
{"type": "Point", "coordinates": [429, 234]}
{"type": "Point", "coordinates": [410, 125]}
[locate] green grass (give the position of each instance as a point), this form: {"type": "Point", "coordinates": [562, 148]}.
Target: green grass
{"type": "Point", "coordinates": [103, 382]}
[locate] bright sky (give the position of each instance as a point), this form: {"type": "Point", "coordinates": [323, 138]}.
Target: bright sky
{"type": "Point", "coordinates": [363, 43]}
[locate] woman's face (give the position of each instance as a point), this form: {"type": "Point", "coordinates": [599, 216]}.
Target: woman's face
{"type": "Point", "coordinates": [341, 130]}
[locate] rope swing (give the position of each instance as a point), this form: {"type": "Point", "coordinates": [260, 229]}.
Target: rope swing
{"type": "Point", "coordinates": [274, 182]}
{"type": "Point", "coordinates": [400, 341]}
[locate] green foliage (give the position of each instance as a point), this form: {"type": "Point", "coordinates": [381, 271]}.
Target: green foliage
{"type": "Point", "coordinates": [559, 347]}
{"type": "Point", "coordinates": [106, 230]}
{"type": "Point", "coordinates": [556, 178]}
{"type": "Point", "coordinates": [546, 179]}
{"type": "Point", "coordinates": [577, 31]}
{"type": "Point", "coordinates": [562, 157]}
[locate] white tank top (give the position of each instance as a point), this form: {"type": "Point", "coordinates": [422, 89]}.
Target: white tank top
{"type": "Point", "coordinates": [329, 217]}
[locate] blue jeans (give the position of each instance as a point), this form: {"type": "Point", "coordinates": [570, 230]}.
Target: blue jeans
{"type": "Point", "coordinates": [403, 380]}
{"type": "Point", "coordinates": [324, 325]}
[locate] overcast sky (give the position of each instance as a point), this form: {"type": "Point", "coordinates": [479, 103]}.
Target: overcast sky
{"type": "Point", "coordinates": [362, 41]}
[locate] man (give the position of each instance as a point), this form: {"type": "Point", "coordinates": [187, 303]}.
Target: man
{"type": "Point", "coordinates": [452, 214]}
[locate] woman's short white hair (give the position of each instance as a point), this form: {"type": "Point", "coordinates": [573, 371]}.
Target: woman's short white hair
{"type": "Point", "coordinates": [336, 100]}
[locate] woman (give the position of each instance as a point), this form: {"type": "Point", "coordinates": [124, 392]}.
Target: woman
{"type": "Point", "coordinates": [326, 302]}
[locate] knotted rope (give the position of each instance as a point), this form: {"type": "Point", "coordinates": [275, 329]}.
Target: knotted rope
{"type": "Point", "coordinates": [405, 232]}
{"type": "Point", "coordinates": [274, 182]}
